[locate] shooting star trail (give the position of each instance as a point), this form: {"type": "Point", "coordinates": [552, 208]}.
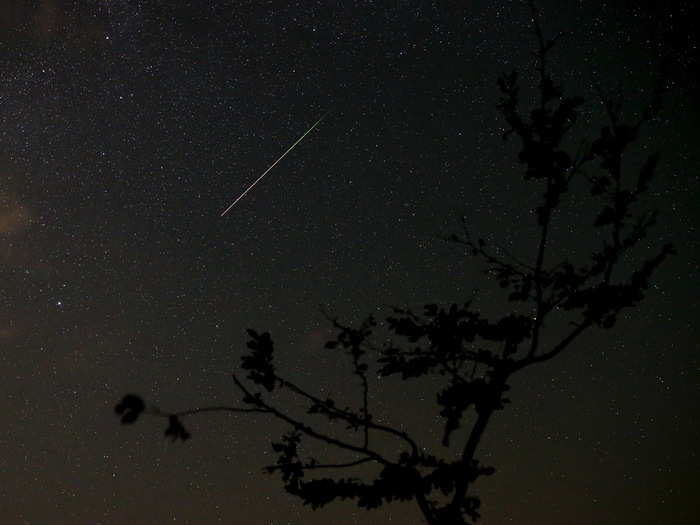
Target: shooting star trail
{"type": "Point", "coordinates": [273, 165]}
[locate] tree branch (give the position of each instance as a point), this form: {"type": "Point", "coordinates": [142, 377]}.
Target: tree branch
{"type": "Point", "coordinates": [298, 425]}
{"type": "Point", "coordinates": [556, 350]}
{"type": "Point", "coordinates": [203, 410]}
{"type": "Point", "coordinates": [310, 466]}
{"type": "Point", "coordinates": [350, 417]}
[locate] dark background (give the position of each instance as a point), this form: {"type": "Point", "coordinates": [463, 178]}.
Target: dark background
{"type": "Point", "coordinates": [126, 127]}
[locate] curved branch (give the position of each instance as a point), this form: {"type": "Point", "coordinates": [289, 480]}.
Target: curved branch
{"type": "Point", "coordinates": [557, 349]}
{"type": "Point", "coordinates": [202, 410]}
{"type": "Point", "coordinates": [307, 429]}
{"type": "Point", "coordinates": [352, 418]}
{"type": "Point", "coordinates": [273, 468]}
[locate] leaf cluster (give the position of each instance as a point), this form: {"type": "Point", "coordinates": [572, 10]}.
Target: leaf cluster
{"type": "Point", "coordinates": [129, 409]}
{"type": "Point", "coordinates": [259, 361]}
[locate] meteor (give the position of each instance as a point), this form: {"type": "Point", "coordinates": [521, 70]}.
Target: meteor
{"type": "Point", "coordinates": [273, 165]}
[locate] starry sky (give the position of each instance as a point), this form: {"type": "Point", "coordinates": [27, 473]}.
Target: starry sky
{"type": "Point", "coordinates": [127, 127]}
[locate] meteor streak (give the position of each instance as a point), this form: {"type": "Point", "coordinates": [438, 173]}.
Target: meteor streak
{"type": "Point", "coordinates": [273, 165]}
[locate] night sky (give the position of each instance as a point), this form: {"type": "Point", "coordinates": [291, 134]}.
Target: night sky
{"type": "Point", "coordinates": [127, 127]}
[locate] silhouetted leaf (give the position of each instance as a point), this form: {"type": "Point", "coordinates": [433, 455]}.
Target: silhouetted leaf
{"type": "Point", "coordinates": [259, 363]}
{"type": "Point", "coordinates": [130, 408]}
{"type": "Point", "coordinates": [175, 429]}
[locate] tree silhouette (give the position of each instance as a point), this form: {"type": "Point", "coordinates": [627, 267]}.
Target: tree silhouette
{"type": "Point", "coordinates": [472, 357]}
